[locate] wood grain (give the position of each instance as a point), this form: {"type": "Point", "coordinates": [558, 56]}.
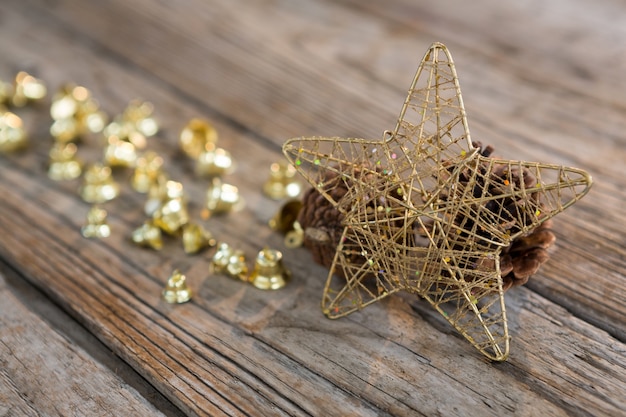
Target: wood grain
{"type": "Point", "coordinates": [44, 372]}
{"type": "Point", "coordinates": [268, 71]}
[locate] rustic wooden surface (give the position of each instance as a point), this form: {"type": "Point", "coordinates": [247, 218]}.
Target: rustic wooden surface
{"type": "Point", "coordinates": [541, 81]}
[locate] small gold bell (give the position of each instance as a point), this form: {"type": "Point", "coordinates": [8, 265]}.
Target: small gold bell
{"type": "Point", "coordinates": [196, 238]}
{"type": "Point", "coordinates": [119, 153]}
{"type": "Point", "coordinates": [96, 226]}
{"type": "Point", "coordinates": [295, 237]}
{"type": "Point", "coordinates": [195, 136]}
{"type": "Point", "coordinates": [176, 290]}
{"type": "Point", "coordinates": [75, 113]}
{"type": "Point", "coordinates": [222, 198]}
{"type": "Point", "coordinates": [147, 170]}
{"type": "Point", "coordinates": [285, 222]}
{"type": "Point", "coordinates": [141, 115]}
{"type": "Point", "coordinates": [63, 163]}
{"type": "Point", "coordinates": [157, 193]}
{"type": "Point", "coordinates": [269, 273]}
{"type": "Point", "coordinates": [172, 215]}
{"type": "Point", "coordinates": [282, 183]}
{"type": "Point", "coordinates": [99, 185]}
{"type": "Point", "coordinates": [148, 235]}
{"type": "Point", "coordinates": [26, 89]}
{"type": "Point", "coordinates": [230, 262]}
{"type": "Point", "coordinates": [213, 162]}
{"type": "Point", "coordinates": [12, 133]}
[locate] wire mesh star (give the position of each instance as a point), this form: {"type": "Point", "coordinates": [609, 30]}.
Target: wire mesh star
{"type": "Point", "coordinates": [424, 212]}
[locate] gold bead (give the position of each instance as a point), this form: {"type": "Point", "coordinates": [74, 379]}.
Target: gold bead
{"type": "Point", "coordinates": [231, 262]}
{"type": "Point", "coordinates": [96, 226]}
{"type": "Point", "coordinates": [196, 238]}
{"type": "Point", "coordinates": [63, 162]}
{"type": "Point", "coordinates": [12, 133]}
{"type": "Point", "coordinates": [195, 136]}
{"type": "Point", "coordinates": [148, 235]}
{"type": "Point", "coordinates": [213, 162]}
{"type": "Point", "coordinates": [222, 198]}
{"type": "Point", "coordinates": [282, 182]}
{"type": "Point", "coordinates": [26, 89]}
{"type": "Point", "coordinates": [269, 272]}
{"type": "Point", "coordinates": [176, 290]}
{"type": "Point", "coordinates": [99, 185]}
{"type": "Point", "coordinates": [147, 170]}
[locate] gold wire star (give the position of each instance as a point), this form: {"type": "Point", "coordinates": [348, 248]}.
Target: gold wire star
{"type": "Point", "coordinates": [426, 213]}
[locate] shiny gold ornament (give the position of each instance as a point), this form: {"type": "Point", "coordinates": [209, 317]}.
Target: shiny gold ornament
{"type": "Point", "coordinates": [6, 92]}
{"type": "Point", "coordinates": [196, 238]}
{"type": "Point", "coordinates": [135, 124]}
{"type": "Point", "coordinates": [147, 170]}
{"type": "Point", "coordinates": [63, 163]}
{"type": "Point", "coordinates": [75, 112]}
{"type": "Point", "coordinates": [119, 153]}
{"type": "Point", "coordinates": [99, 185]}
{"type": "Point", "coordinates": [229, 261]}
{"type": "Point", "coordinates": [172, 215]}
{"type": "Point", "coordinates": [167, 205]}
{"type": "Point", "coordinates": [295, 237]}
{"type": "Point", "coordinates": [27, 89]}
{"type": "Point", "coordinates": [157, 193]}
{"type": "Point", "coordinates": [269, 272]}
{"type": "Point", "coordinates": [282, 182]}
{"type": "Point", "coordinates": [222, 198]}
{"type": "Point", "coordinates": [12, 133]}
{"type": "Point", "coordinates": [412, 219]}
{"type": "Point", "coordinates": [195, 137]}
{"type": "Point", "coordinates": [213, 162]}
{"type": "Point", "coordinates": [141, 115]}
{"type": "Point", "coordinates": [176, 290]}
{"type": "Point", "coordinates": [285, 222]}
{"type": "Point", "coordinates": [96, 226]}
{"type": "Point", "coordinates": [148, 235]}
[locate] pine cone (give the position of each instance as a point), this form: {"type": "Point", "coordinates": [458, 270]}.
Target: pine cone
{"type": "Point", "coordinates": [322, 225]}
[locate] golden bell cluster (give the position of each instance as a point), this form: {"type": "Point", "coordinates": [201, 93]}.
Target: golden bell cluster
{"type": "Point", "coordinates": [167, 208]}
{"type": "Point", "coordinates": [198, 140]}
{"type": "Point", "coordinates": [269, 272]}
{"type": "Point", "coordinates": [75, 113]}
{"type": "Point", "coordinates": [128, 133]}
{"type": "Point", "coordinates": [23, 90]}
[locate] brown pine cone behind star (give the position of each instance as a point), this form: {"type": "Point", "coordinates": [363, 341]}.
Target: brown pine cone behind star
{"type": "Point", "coordinates": [322, 225]}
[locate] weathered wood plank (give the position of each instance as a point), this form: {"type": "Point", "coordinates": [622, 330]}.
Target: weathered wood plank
{"type": "Point", "coordinates": [265, 72]}
{"type": "Point", "coordinates": [371, 356]}
{"type": "Point", "coordinates": [44, 373]}
{"type": "Point", "coordinates": [265, 79]}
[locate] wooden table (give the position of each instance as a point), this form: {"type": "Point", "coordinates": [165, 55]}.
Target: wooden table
{"type": "Point", "coordinates": [83, 328]}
